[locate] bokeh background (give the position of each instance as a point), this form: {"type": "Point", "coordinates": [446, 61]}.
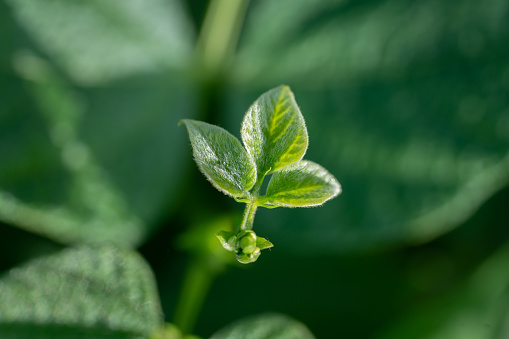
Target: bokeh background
{"type": "Point", "coordinates": [406, 103]}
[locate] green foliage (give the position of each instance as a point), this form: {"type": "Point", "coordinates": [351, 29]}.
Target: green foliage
{"type": "Point", "coordinates": [405, 101]}
{"type": "Point", "coordinates": [149, 37]}
{"type": "Point", "coordinates": [221, 157]}
{"type": "Point", "coordinates": [302, 184]}
{"type": "Point", "coordinates": [406, 108]}
{"type": "Point", "coordinates": [95, 120]}
{"type": "Point", "coordinates": [275, 137]}
{"type": "Point", "coordinates": [83, 292]}
{"type": "Point", "coordinates": [265, 326]}
{"type": "Point", "coordinates": [274, 132]}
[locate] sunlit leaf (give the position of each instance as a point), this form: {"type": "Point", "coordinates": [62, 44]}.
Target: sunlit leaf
{"type": "Point", "coordinates": [221, 157]}
{"type": "Point", "coordinates": [273, 130]}
{"type": "Point", "coordinates": [266, 326]}
{"type": "Point", "coordinates": [302, 184]}
{"type": "Point", "coordinates": [83, 292]}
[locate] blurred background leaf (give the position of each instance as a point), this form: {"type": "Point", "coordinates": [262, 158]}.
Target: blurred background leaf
{"type": "Point", "coordinates": [406, 103]}
{"type": "Point", "coordinates": [477, 309]}
{"type": "Point", "coordinates": [83, 292]}
{"type": "Point", "coordinates": [266, 326]}
{"type": "Point", "coordinates": [101, 109]}
{"type": "Point", "coordinates": [98, 42]}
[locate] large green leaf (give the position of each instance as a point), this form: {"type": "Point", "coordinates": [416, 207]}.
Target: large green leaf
{"type": "Point", "coordinates": [83, 292]}
{"type": "Point", "coordinates": [221, 157]}
{"type": "Point", "coordinates": [408, 108]}
{"type": "Point", "coordinates": [82, 163]}
{"type": "Point", "coordinates": [265, 326]}
{"type": "Point", "coordinates": [97, 41]}
{"type": "Point", "coordinates": [302, 184]}
{"type": "Point", "coordinates": [331, 42]}
{"type": "Point", "coordinates": [273, 130]}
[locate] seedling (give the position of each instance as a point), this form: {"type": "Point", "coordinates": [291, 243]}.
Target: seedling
{"type": "Point", "coordinates": [275, 140]}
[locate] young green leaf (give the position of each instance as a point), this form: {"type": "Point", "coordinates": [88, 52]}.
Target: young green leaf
{"type": "Point", "coordinates": [221, 157]}
{"type": "Point", "coordinates": [84, 292]}
{"type": "Point", "coordinates": [273, 130]}
{"type": "Point", "coordinates": [263, 243]}
{"type": "Point", "coordinates": [227, 240]}
{"type": "Point", "coordinates": [265, 326]}
{"type": "Point", "coordinates": [303, 184]}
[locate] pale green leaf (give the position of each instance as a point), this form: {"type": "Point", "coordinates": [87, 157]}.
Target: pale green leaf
{"type": "Point", "coordinates": [224, 237]}
{"type": "Point", "coordinates": [273, 130]}
{"type": "Point", "coordinates": [85, 292]}
{"type": "Point", "coordinates": [265, 326]}
{"type": "Point", "coordinates": [263, 243]}
{"type": "Point", "coordinates": [303, 184]}
{"type": "Point", "coordinates": [221, 157]}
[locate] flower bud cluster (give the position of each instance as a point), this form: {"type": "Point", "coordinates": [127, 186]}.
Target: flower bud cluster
{"type": "Point", "coordinates": [245, 247]}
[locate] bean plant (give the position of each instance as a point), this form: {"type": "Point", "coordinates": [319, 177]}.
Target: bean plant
{"type": "Point", "coordinates": [274, 141]}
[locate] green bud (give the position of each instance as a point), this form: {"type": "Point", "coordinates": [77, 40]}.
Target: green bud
{"type": "Point", "coordinates": [246, 258]}
{"type": "Point", "coordinates": [246, 241]}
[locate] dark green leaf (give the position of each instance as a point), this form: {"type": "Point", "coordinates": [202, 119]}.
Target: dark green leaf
{"type": "Point", "coordinates": [83, 292]}
{"type": "Point", "coordinates": [84, 163]}
{"type": "Point", "coordinates": [478, 308]}
{"type": "Point", "coordinates": [106, 41]}
{"type": "Point", "coordinates": [265, 326]}
{"type": "Point", "coordinates": [221, 157]}
{"type": "Point", "coordinates": [302, 184]}
{"type": "Point", "coordinates": [273, 130]}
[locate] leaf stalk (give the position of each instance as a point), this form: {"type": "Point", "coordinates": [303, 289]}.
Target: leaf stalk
{"type": "Point", "coordinates": [248, 218]}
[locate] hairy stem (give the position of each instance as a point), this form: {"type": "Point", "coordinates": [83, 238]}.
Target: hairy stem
{"type": "Point", "coordinates": [250, 211]}
{"type": "Point", "coordinates": [248, 219]}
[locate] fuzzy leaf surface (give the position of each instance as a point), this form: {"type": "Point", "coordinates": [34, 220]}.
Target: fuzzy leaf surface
{"type": "Point", "coordinates": [83, 292]}
{"type": "Point", "coordinates": [265, 326]}
{"type": "Point", "coordinates": [273, 130]}
{"type": "Point", "coordinates": [221, 157]}
{"type": "Point", "coordinates": [303, 184]}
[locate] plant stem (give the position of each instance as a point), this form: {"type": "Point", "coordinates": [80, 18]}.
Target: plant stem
{"type": "Point", "coordinates": [195, 287]}
{"type": "Point", "coordinates": [248, 219]}
{"type": "Point", "coordinates": [250, 211]}
{"type": "Point", "coordinates": [220, 32]}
